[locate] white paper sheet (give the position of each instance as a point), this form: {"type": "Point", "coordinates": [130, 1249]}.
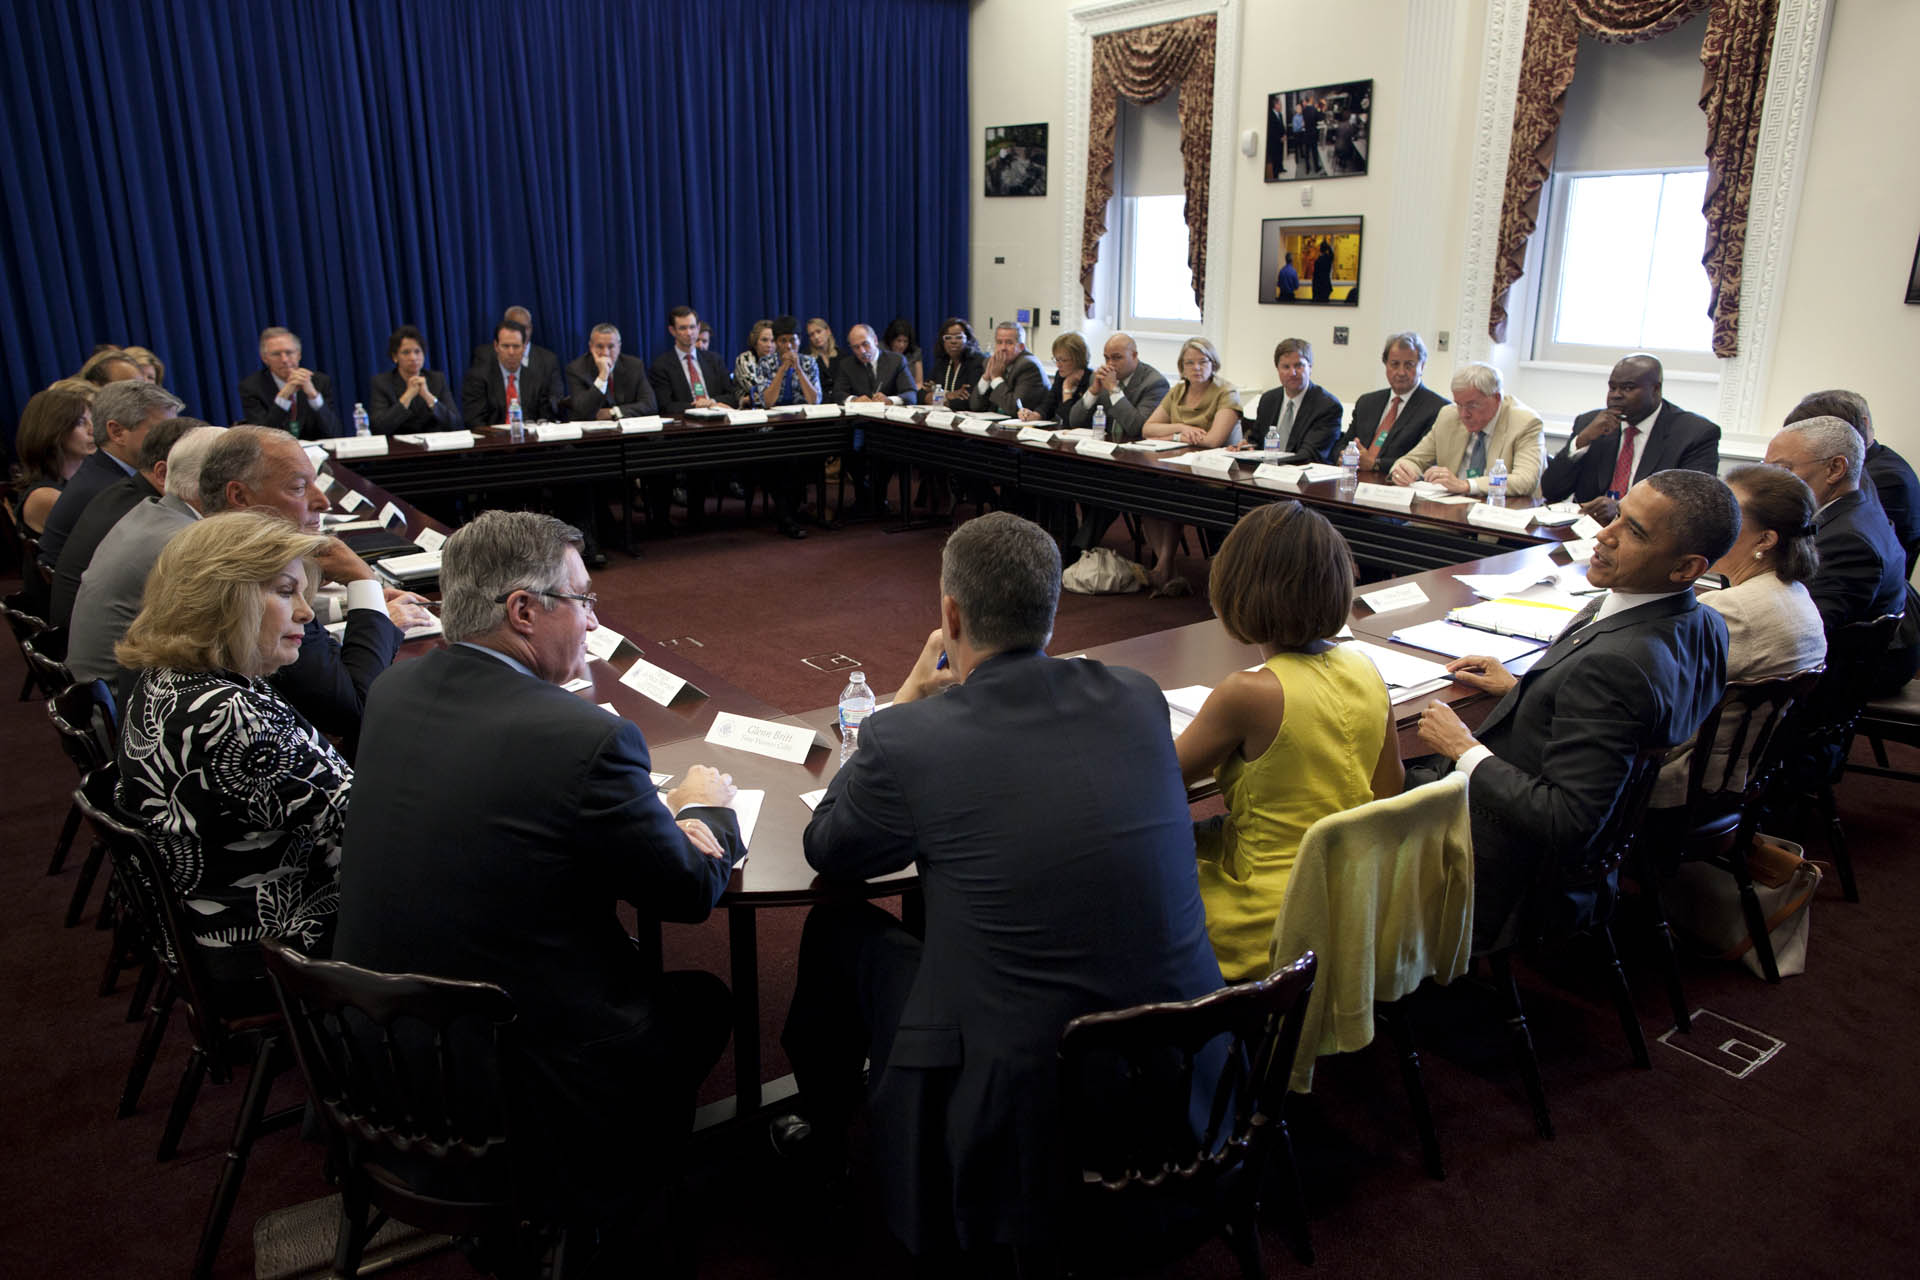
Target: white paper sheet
{"type": "Point", "coordinates": [1457, 641]}
{"type": "Point", "coordinates": [1401, 670]}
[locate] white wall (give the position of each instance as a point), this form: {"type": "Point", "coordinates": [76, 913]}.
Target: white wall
{"type": "Point", "coordinates": [1844, 321]}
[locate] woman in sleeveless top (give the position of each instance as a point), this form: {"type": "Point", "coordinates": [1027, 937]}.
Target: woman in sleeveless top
{"type": "Point", "coordinates": [1202, 410]}
{"type": "Point", "coordinates": [1308, 733]}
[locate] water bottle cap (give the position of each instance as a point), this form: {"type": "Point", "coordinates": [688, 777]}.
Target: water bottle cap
{"type": "Point", "coordinates": [858, 677]}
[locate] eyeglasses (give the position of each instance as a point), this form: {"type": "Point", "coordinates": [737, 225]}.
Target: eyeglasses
{"type": "Point", "coordinates": [591, 599]}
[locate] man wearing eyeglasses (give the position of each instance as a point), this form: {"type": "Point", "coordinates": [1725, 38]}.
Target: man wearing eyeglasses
{"type": "Point", "coordinates": [496, 823]}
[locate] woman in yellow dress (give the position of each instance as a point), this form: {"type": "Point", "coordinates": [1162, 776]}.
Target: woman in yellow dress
{"type": "Point", "coordinates": [1307, 733]}
{"type": "Point", "coordinates": [1202, 410]}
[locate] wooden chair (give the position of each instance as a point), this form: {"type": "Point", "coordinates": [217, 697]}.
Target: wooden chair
{"type": "Point", "coordinates": [1895, 718]}
{"type": "Point", "coordinates": [222, 1038]}
{"type": "Point", "coordinates": [85, 718]}
{"type": "Point", "coordinates": [25, 624]}
{"type": "Point", "coordinates": [1722, 808]}
{"type": "Point", "coordinates": [1126, 1082]}
{"type": "Point", "coordinates": [46, 654]}
{"type": "Point", "coordinates": [1596, 877]}
{"type": "Point", "coordinates": [1823, 736]}
{"type": "Point", "coordinates": [406, 1072]}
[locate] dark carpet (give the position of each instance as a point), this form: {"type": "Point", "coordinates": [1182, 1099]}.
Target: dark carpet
{"type": "Point", "coordinates": [1794, 1170]}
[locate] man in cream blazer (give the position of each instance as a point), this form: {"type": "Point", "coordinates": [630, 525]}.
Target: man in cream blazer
{"type": "Point", "coordinates": [1449, 456]}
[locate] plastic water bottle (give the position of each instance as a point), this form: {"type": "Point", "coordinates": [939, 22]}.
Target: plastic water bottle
{"type": "Point", "coordinates": [361, 425]}
{"type": "Point", "coordinates": [516, 422]}
{"type": "Point", "coordinates": [1497, 483]}
{"type": "Point", "coordinates": [1275, 442]}
{"type": "Point", "coordinates": [1350, 469]}
{"type": "Point", "coordinates": [856, 704]}
{"type": "Point", "coordinates": [939, 394]}
{"type": "Point", "coordinates": [1100, 421]}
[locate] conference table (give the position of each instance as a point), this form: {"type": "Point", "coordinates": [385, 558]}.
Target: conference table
{"type": "Point", "coordinates": [775, 873]}
{"type": "Point", "coordinates": [1388, 538]}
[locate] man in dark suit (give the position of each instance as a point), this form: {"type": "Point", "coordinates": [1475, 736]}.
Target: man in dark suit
{"type": "Point", "coordinates": [604, 385]}
{"type": "Point", "coordinates": [1129, 389]}
{"type": "Point", "coordinates": [1636, 435]}
{"type": "Point", "coordinates": [1042, 903]}
{"type": "Point", "coordinates": [1894, 483]}
{"type": "Point", "coordinates": [538, 357]}
{"type": "Point", "coordinates": [1308, 414]}
{"type": "Point", "coordinates": [106, 509]}
{"type": "Point", "coordinates": [123, 413]}
{"type": "Point", "coordinates": [284, 393]}
{"type": "Point", "coordinates": [1389, 422]}
{"type": "Point", "coordinates": [510, 376]}
{"type": "Point", "coordinates": [1637, 669]}
{"type": "Point", "coordinates": [410, 397]}
{"type": "Point", "coordinates": [497, 823]}
{"type": "Point", "coordinates": [865, 372]}
{"type": "Point", "coordinates": [685, 376]}
{"type": "Point", "coordinates": [1013, 379]}
{"type": "Point", "coordinates": [1313, 113]}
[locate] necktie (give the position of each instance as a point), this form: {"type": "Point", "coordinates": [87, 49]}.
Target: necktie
{"type": "Point", "coordinates": [873, 378]}
{"type": "Point", "coordinates": [1578, 621]}
{"type": "Point", "coordinates": [693, 378]}
{"type": "Point", "coordinates": [1623, 465]}
{"type": "Point", "coordinates": [1477, 455]}
{"type": "Point", "coordinates": [1286, 423]}
{"type": "Point", "coordinates": [1386, 423]}
{"type": "Point", "coordinates": [513, 391]}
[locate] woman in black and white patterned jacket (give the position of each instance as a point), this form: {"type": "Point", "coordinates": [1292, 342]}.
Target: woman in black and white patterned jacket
{"type": "Point", "coordinates": [244, 799]}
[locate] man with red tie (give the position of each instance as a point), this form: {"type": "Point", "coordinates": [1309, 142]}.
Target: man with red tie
{"type": "Point", "coordinates": [1387, 423]}
{"type": "Point", "coordinates": [491, 386]}
{"type": "Point", "coordinates": [1636, 435]}
{"type": "Point", "coordinates": [686, 376]}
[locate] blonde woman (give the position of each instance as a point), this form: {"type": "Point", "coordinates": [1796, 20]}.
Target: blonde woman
{"type": "Point", "coordinates": [1202, 410]}
{"type": "Point", "coordinates": [244, 799]}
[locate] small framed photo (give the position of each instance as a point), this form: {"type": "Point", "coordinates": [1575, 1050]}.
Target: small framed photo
{"type": "Point", "coordinates": [1310, 261]}
{"type": "Point", "coordinates": [1017, 160]}
{"type": "Point", "coordinates": [1319, 133]}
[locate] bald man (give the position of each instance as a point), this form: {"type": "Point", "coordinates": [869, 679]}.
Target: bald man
{"type": "Point", "coordinates": [1125, 386]}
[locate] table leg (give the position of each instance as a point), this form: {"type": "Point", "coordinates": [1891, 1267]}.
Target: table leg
{"type": "Point", "coordinates": [744, 948]}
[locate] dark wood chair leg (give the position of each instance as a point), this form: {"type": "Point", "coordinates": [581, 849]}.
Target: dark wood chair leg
{"type": "Point", "coordinates": [1623, 998]}
{"type": "Point", "coordinates": [1401, 1029]}
{"type": "Point", "coordinates": [353, 1226]}
{"type": "Point", "coordinates": [1522, 1038]}
{"type": "Point", "coordinates": [148, 1048]}
{"type": "Point", "coordinates": [1300, 1236]}
{"type": "Point", "coordinates": [1649, 877]}
{"type": "Point", "coordinates": [1243, 1237]}
{"type": "Point", "coordinates": [68, 830]}
{"type": "Point", "coordinates": [1837, 842]}
{"type": "Point", "coordinates": [183, 1098]}
{"type": "Point", "coordinates": [1750, 907]}
{"type": "Point", "coordinates": [26, 688]}
{"type": "Point", "coordinates": [253, 1107]}
{"type": "Point", "coordinates": [1879, 750]}
{"type": "Point", "coordinates": [77, 905]}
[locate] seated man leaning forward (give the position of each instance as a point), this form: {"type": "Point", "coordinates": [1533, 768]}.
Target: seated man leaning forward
{"type": "Point", "coordinates": [1049, 894]}
{"type": "Point", "coordinates": [1484, 424]}
{"type": "Point", "coordinates": [1639, 668]}
{"type": "Point", "coordinates": [503, 821]}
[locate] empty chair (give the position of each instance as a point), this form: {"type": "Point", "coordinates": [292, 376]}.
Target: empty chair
{"type": "Point", "coordinates": [1128, 1128]}
{"type": "Point", "coordinates": [1383, 895]}
{"type": "Point", "coordinates": [1894, 718]}
{"type": "Point", "coordinates": [405, 1070]}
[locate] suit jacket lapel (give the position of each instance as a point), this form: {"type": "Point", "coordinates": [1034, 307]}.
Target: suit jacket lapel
{"type": "Point", "coordinates": [1572, 639]}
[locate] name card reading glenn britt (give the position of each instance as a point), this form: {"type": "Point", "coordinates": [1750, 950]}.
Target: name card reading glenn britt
{"type": "Point", "coordinates": [788, 742]}
{"type": "Point", "coordinates": [655, 683]}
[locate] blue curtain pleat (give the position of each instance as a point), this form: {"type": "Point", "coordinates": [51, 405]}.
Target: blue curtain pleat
{"type": "Point", "coordinates": [180, 174]}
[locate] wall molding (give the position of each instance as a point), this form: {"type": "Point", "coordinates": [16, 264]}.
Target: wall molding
{"type": "Point", "coordinates": [1779, 171]}
{"type": "Point", "coordinates": [1086, 21]}
{"type": "Point", "coordinates": [1487, 182]}
{"type": "Point", "coordinates": [1424, 118]}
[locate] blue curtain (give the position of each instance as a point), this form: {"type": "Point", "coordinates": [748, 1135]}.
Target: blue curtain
{"type": "Point", "coordinates": [181, 173]}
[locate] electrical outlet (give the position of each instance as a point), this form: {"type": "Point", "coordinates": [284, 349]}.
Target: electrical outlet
{"type": "Point", "coordinates": [1053, 317]}
{"type": "Point", "coordinates": [1306, 196]}
{"type": "Point", "coordinates": [999, 262]}
{"type": "Point", "coordinates": [1442, 340]}
{"type": "Point", "coordinates": [1339, 335]}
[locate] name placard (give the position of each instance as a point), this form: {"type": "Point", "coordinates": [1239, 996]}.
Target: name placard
{"type": "Point", "coordinates": [353, 500]}
{"type": "Point", "coordinates": [548, 432]}
{"type": "Point", "coordinates": [315, 454]}
{"type": "Point", "coordinates": [820, 410]}
{"type": "Point", "coordinates": [1216, 462]}
{"type": "Point", "coordinates": [327, 484]}
{"type": "Point", "coordinates": [430, 539]}
{"type": "Point", "coordinates": [1586, 528]}
{"type": "Point", "coordinates": [1034, 435]}
{"type": "Point", "coordinates": [438, 441]}
{"type": "Point", "coordinates": [788, 742]}
{"type": "Point", "coordinates": [1384, 495]}
{"type": "Point", "coordinates": [1511, 519]}
{"type": "Point", "coordinates": [1582, 550]}
{"type": "Point", "coordinates": [902, 413]}
{"type": "Point", "coordinates": [747, 417]}
{"type": "Point", "coordinates": [1097, 448]}
{"type": "Point", "coordinates": [647, 422]}
{"type": "Point", "coordinates": [973, 426]}
{"type": "Point", "coordinates": [361, 446]}
{"type": "Point", "coordinates": [1387, 599]}
{"type": "Point", "coordinates": [1278, 475]}
{"type": "Point", "coordinates": [392, 512]}
{"type": "Point", "coordinates": [603, 641]}
{"type": "Point", "coordinates": [654, 683]}
{"type": "Point", "coordinates": [941, 418]}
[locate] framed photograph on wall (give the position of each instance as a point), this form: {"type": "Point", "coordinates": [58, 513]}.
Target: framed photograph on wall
{"type": "Point", "coordinates": [1319, 133]}
{"type": "Point", "coordinates": [1017, 160]}
{"type": "Point", "coordinates": [1311, 261]}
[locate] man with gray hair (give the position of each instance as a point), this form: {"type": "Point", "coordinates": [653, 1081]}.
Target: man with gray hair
{"type": "Point", "coordinates": [122, 413]}
{"type": "Point", "coordinates": [110, 591]}
{"type": "Point", "coordinates": [1042, 803]}
{"type": "Point", "coordinates": [1386, 424]}
{"type": "Point", "coordinates": [1862, 574]}
{"type": "Point", "coordinates": [286, 394]}
{"type": "Point", "coordinates": [1893, 480]}
{"type": "Point", "coordinates": [1013, 378]}
{"type": "Point", "coordinates": [603, 385]}
{"type": "Point", "coordinates": [497, 822]}
{"type": "Point", "coordinates": [1481, 425]}
{"type": "Point", "coordinates": [106, 509]}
